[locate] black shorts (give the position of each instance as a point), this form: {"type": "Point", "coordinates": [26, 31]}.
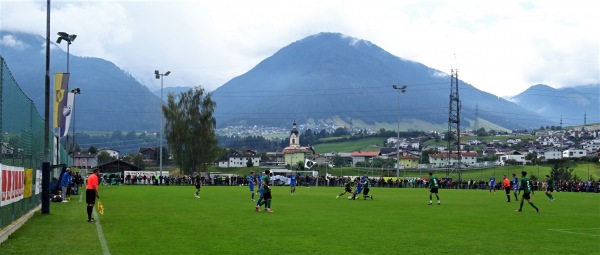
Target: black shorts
{"type": "Point", "coordinates": [348, 190]}
{"type": "Point", "coordinates": [434, 190]}
{"type": "Point", "coordinates": [366, 191]}
{"type": "Point", "coordinates": [267, 195]}
{"type": "Point", "coordinates": [90, 196]}
{"type": "Point", "coordinates": [526, 195]}
{"type": "Point", "coordinates": [197, 186]}
{"type": "Point", "coordinates": [549, 189]}
{"type": "Point", "coordinates": [507, 189]}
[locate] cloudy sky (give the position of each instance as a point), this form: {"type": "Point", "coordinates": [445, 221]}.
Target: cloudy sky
{"type": "Point", "coordinates": [501, 47]}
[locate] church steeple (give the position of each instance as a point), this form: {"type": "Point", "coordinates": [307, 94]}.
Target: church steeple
{"type": "Point", "coordinates": [294, 135]}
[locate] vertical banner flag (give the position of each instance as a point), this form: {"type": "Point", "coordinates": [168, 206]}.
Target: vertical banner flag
{"type": "Point", "coordinates": [11, 184]}
{"type": "Point", "coordinates": [28, 191]}
{"type": "Point", "coordinates": [61, 88]}
{"type": "Point", "coordinates": [38, 181]}
{"type": "Point", "coordinates": [308, 163]}
{"type": "Point", "coordinates": [67, 113]}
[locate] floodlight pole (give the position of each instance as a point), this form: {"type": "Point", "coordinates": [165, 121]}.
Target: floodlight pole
{"type": "Point", "coordinates": [75, 91]}
{"type": "Point", "coordinates": [46, 163]}
{"type": "Point", "coordinates": [400, 90]}
{"type": "Point", "coordinates": [160, 76]}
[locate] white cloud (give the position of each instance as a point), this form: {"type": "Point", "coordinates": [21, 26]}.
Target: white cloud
{"type": "Point", "coordinates": [501, 47]}
{"type": "Point", "coordinates": [10, 41]}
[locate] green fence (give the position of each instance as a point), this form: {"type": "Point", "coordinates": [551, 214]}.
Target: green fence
{"type": "Point", "coordinates": [22, 141]}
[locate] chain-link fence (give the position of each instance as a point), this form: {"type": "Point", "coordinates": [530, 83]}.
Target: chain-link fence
{"type": "Point", "coordinates": [21, 147]}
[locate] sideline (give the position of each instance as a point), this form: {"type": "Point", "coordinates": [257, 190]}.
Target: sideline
{"type": "Point", "coordinates": [8, 230]}
{"type": "Point", "coordinates": [573, 231]}
{"type": "Point", "coordinates": [105, 250]}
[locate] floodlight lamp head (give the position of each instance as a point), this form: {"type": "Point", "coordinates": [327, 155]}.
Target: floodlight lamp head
{"type": "Point", "coordinates": [394, 86]}
{"type": "Point", "coordinates": [403, 89]}
{"type": "Point", "coordinates": [156, 74]}
{"type": "Point", "coordinates": [167, 73]}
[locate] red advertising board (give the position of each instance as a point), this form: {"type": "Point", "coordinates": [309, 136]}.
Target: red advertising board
{"type": "Point", "coordinates": [12, 183]}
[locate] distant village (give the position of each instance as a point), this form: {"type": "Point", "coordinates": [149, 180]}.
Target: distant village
{"type": "Point", "coordinates": [407, 153]}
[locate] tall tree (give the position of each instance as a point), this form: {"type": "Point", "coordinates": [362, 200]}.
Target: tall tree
{"type": "Point", "coordinates": [190, 129]}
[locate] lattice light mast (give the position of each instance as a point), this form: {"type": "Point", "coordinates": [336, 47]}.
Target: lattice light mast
{"type": "Point", "coordinates": [454, 123]}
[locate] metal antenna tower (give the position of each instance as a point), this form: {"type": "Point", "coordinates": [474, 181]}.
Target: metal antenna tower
{"type": "Point", "coordinates": [561, 122]}
{"type": "Point", "coordinates": [454, 122]}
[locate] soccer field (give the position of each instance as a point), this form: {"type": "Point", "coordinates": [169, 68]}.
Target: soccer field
{"type": "Point", "coordinates": [169, 220]}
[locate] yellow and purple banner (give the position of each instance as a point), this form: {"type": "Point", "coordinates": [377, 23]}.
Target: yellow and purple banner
{"type": "Point", "coordinates": [62, 110]}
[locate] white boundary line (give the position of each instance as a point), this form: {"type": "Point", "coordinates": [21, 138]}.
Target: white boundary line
{"type": "Point", "coordinates": [570, 231]}
{"type": "Point", "coordinates": [105, 250]}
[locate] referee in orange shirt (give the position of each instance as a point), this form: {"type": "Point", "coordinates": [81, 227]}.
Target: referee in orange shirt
{"type": "Point", "coordinates": [91, 193]}
{"type": "Point", "coordinates": [506, 186]}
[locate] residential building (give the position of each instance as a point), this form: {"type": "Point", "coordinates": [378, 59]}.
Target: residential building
{"type": "Point", "coordinates": [148, 154]}
{"type": "Point", "coordinates": [574, 153]}
{"type": "Point", "coordinates": [551, 153]}
{"type": "Point", "coordinates": [468, 158]}
{"type": "Point", "coordinates": [85, 160]}
{"type": "Point", "coordinates": [363, 156]}
{"type": "Point", "coordinates": [241, 159]}
{"type": "Point", "coordinates": [517, 156]}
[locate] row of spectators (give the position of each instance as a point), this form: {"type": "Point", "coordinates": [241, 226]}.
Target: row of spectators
{"type": "Point", "coordinates": [338, 181]}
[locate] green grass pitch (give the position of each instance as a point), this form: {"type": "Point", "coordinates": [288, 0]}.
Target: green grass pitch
{"type": "Point", "coordinates": [170, 220]}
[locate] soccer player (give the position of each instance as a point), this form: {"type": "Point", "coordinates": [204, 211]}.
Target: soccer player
{"type": "Point", "coordinates": [197, 182]}
{"type": "Point", "coordinates": [91, 193]}
{"type": "Point", "coordinates": [515, 185]}
{"type": "Point", "coordinates": [433, 188]}
{"type": "Point", "coordinates": [266, 193]}
{"type": "Point", "coordinates": [506, 186]}
{"type": "Point", "coordinates": [366, 188]}
{"type": "Point", "coordinates": [347, 188]}
{"type": "Point", "coordinates": [492, 184]}
{"type": "Point", "coordinates": [359, 187]}
{"type": "Point", "coordinates": [549, 187]}
{"type": "Point", "coordinates": [293, 183]}
{"type": "Point", "coordinates": [251, 183]}
{"type": "Point", "coordinates": [526, 188]}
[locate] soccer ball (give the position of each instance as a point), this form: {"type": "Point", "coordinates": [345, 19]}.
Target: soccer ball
{"type": "Point", "coordinates": [349, 197]}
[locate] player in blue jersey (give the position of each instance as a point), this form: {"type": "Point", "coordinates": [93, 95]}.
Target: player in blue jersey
{"type": "Point", "coordinates": [293, 183]}
{"type": "Point", "coordinates": [359, 187]}
{"type": "Point", "coordinates": [515, 185]}
{"type": "Point", "coordinates": [251, 183]}
{"type": "Point", "coordinates": [492, 184]}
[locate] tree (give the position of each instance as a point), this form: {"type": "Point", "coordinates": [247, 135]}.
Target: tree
{"type": "Point", "coordinates": [481, 132]}
{"type": "Point", "coordinates": [338, 161]}
{"type": "Point", "coordinates": [135, 159]}
{"type": "Point", "coordinates": [562, 170]}
{"type": "Point", "coordinates": [92, 149]}
{"type": "Point", "coordinates": [249, 162]}
{"type": "Point", "coordinates": [104, 157]}
{"type": "Point", "coordinates": [190, 129]}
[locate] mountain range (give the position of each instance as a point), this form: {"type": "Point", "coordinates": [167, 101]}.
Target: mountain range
{"type": "Point", "coordinates": [326, 78]}
{"type": "Point", "coordinates": [110, 98]}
